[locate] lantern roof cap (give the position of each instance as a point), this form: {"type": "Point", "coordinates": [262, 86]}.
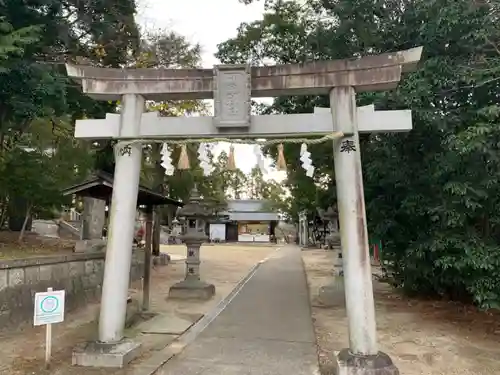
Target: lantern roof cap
{"type": "Point", "coordinates": [195, 208]}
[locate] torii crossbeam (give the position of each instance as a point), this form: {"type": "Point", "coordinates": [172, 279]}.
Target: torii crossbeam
{"type": "Point", "coordinates": [297, 125]}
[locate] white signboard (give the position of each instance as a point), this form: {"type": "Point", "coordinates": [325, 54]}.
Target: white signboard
{"type": "Point", "coordinates": [218, 232]}
{"type": "Point", "coordinates": [248, 237]}
{"type": "Point", "coordinates": [49, 307]}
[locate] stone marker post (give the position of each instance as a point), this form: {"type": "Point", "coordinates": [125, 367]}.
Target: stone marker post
{"type": "Point", "coordinates": [93, 221]}
{"type": "Point", "coordinates": [94, 216]}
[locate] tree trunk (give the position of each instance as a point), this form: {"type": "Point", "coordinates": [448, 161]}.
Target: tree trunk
{"type": "Point", "coordinates": [23, 228]}
{"type": "Point", "coordinates": [15, 211]}
{"type": "Point", "coordinates": [3, 211]}
{"type": "Point", "coordinates": [156, 232]}
{"type": "Point", "coordinates": [170, 217]}
{"type": "Point", "coordinates": [2, 140]}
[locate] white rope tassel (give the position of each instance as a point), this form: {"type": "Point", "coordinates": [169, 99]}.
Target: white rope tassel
{"type": "Point", "coordinates": [204, 160]}
{"type": "Point", "coordinates": [260, 159]}
{"type": "Point", "coordinates": [305, 158]}
{"type": "Point", "coordinates": [166, 160]}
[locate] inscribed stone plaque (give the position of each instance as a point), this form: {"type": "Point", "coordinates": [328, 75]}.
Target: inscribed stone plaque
{"type": "Point", "coordinates": [232, 92]}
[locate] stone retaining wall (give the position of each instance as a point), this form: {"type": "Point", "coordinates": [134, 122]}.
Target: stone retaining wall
{"type": "Point", "coordinates": [80, 275]}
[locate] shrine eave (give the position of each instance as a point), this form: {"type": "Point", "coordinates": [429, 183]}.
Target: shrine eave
{"type": "Point", "coordinates": [368, 73]}
{"type": "Point", "coordinates": [100, 186]}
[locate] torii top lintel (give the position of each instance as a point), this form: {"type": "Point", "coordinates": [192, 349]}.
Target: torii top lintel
{"type": "Point", "coordinates": [369, 73]}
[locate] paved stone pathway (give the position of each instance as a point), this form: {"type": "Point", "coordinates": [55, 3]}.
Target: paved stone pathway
{"type": "Point", "coordinates": [266, 329]}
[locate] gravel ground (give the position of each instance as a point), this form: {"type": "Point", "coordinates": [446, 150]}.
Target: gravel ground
{"type": "Point", "coordinates": [422, 337]}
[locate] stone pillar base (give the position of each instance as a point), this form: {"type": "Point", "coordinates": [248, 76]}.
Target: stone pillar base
{"type": "Point", "coordinates": [97, 354]}
{"type": "Point", "coordinates": [192, 289]}
{"type": "Point", "coordinates": [350, 364]}
{"type": "Point", "coordinates": [90, 246]}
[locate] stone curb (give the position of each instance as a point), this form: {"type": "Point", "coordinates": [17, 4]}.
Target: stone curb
{"type": "Point", "coordinates": [159, 358]}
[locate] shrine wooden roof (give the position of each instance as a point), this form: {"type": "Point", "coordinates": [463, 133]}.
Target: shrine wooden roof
{"type": "Point", "coordinates": [100, 186]}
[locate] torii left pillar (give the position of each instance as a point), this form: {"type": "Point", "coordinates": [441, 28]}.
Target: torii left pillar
{"type": "Point", "coordinates": [111, 350]}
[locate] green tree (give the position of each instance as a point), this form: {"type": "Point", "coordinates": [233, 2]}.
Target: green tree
{"type": "Point", "coordinates": [35, 84]}
{"type": "Point", "coordinates": [431, 194]}
{"type": "Point", "coordinates": [255, 183]}
{"type": "Point", "coordinates": [229, 183]}
{"type": "Point", "coordinates": [12, 42]}
{"type": "Point", "coordinates": [266, 189]}
{"type": "Point", "coordinates": [167, 49]}
{"type": "Point", "coordinates": [36, 38]}
{"type": "Point", "coordinates": [27, 175]}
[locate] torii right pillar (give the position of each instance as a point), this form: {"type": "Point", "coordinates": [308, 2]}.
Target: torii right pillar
{"type": "Point", "coordinates": [362, 357]}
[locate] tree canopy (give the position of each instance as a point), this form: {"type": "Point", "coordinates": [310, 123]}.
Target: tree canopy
{"type": "Point", "coordinates": [38, 101]}
{"type": "Point", "coordinates": [432, 194]}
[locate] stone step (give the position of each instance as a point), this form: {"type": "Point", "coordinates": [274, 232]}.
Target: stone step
{"type": "Point", "coordinates": [68, 230]}
{"type": "Point", "coordinates": [77, 224]}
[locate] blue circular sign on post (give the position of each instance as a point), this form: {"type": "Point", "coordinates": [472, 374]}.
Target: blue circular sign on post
{"type": "Point", "coordinates": [49, 304]}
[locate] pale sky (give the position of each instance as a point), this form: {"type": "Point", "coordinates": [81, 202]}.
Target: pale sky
{"type": "Point", "coordinates": [207, 22]}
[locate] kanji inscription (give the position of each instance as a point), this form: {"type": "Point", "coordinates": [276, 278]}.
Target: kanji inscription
{"type": "Point", "coordinates": [347, 146]}
{"type": "Point", "coordinates": [232, 96]}
{"type": "Point", "coordinates": [125, 150]}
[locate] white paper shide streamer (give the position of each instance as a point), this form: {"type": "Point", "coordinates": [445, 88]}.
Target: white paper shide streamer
{"type": "Point", "coordinates": [205, 165]}
{"type": "Point", "coordinates": [166, 160]}
{"type": "Point", "coordinates": [305, 158]}
{"type": "Point", "coordinates": [260, 159]}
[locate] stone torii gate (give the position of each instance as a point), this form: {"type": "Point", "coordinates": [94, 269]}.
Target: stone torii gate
{"type": "Point", "coordinates": [231, 87]}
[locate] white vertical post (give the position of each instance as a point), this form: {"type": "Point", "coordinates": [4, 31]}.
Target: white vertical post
{"type": "Point", "coordinates": [353, 232]}
{"type": "Point", "coordinates": [48, 340]}
{"type": "Point", "coordinates": [299, 229]}
{"type": "Point", "coordinates": [121, 223]}
{"type": "Point", "coordinates": [304, 230]}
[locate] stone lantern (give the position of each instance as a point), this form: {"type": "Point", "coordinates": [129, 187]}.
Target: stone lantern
{"type": "Point", "coordinates": [194, 216]}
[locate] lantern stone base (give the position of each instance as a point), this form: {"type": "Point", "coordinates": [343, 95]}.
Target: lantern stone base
{"type": "Point", "coordinates": [350, 364]}
{"type": "Point", "coordinates": [192, 289]}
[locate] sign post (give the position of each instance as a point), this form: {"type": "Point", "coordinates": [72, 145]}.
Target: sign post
{"type": "Point", "coordinates": [49, 309]}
